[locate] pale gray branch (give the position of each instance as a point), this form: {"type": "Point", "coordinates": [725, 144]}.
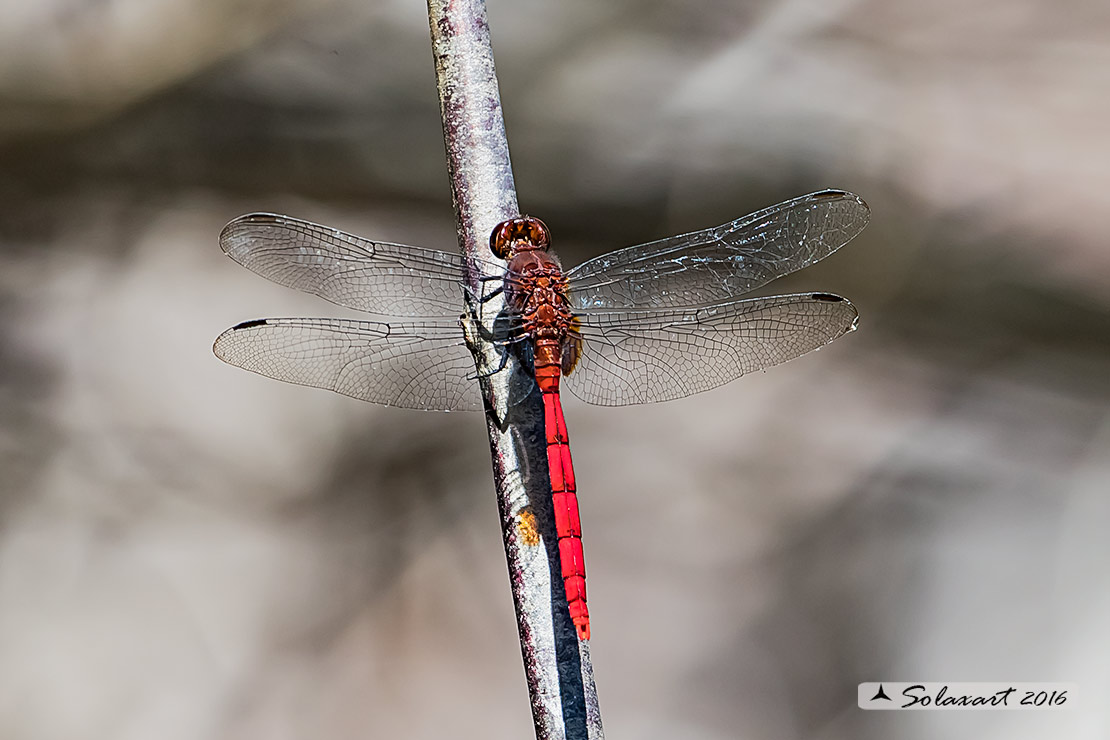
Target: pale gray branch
{"type": "Point", "coordinates": [558, 668]}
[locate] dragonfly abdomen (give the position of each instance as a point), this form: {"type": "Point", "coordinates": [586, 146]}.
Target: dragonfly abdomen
{"type": "Point", "coordinates": [564, 495]}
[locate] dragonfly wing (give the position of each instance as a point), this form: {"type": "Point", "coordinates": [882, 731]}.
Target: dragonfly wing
{"type": "Point", "coordinates": [631, 357]}
{"type": "Point", "coordinates": [377, 277]}
{"type": "Point", "coordinates": [419, 365]}
{"type": "Point", "coordinates": [724, 262]}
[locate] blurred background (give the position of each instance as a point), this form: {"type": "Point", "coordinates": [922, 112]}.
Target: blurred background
{"type": "Point", "coordinates": [191, 551]}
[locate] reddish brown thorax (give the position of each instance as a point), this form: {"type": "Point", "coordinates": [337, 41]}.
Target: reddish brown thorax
{"type": "Point", "coordinates": [536, 290]}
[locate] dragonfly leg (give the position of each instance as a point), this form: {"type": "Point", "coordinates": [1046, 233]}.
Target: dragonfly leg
{"type": "Point", "coordinates": [481, 300]}
{"type": "Point", "coordinates": [487, 297]}
{"type": "Point", "coordinates": [502, 343]}
{"type": "Point", "coordinates": [483, 297]}
{"type": "Point", "coordinates": [500, 366]}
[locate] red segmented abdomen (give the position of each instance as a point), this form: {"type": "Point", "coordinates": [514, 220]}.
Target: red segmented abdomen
{"type": "Point", "coordinates": [568, 526]}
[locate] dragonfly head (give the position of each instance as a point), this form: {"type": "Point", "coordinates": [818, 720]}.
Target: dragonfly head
{"type": "Point", "coordinates": [520, 234]}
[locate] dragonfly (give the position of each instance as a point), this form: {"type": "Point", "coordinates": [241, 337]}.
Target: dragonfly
{"type": "Point", "coordinates": [653, 322]}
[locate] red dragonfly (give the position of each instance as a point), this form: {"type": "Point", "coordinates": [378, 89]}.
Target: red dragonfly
{"type": "Point", "coordinates": [648, 323]}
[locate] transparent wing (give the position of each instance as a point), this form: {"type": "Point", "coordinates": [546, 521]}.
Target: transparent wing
{"type": "Point", "coordinates": [377, 277]}
{"type": "Point", "coordinates": [631, 357]}
{"type": "Point", "coordinates": [724, 262]}
{"type": "Point", "coordinates": [418, 365]}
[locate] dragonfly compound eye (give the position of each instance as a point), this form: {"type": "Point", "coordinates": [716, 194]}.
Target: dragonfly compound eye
{"type": "Point", "coordinates": [517, 234]}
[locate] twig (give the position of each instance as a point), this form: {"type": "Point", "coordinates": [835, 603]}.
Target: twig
{"type": "Point", "coordinates": [558, 668]}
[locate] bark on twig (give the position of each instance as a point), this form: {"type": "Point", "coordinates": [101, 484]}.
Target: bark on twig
{"type": "Point", "coordinates": [558, 668]}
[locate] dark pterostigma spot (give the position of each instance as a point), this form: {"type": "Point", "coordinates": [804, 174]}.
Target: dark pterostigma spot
{"type": "Point", "coordinates": [249, 324]}
{"type": "Point", "coordinates": [816, 296]}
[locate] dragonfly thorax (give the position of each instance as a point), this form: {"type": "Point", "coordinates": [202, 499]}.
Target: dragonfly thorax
{"type": "Point", "coordinates": [536, 290]}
